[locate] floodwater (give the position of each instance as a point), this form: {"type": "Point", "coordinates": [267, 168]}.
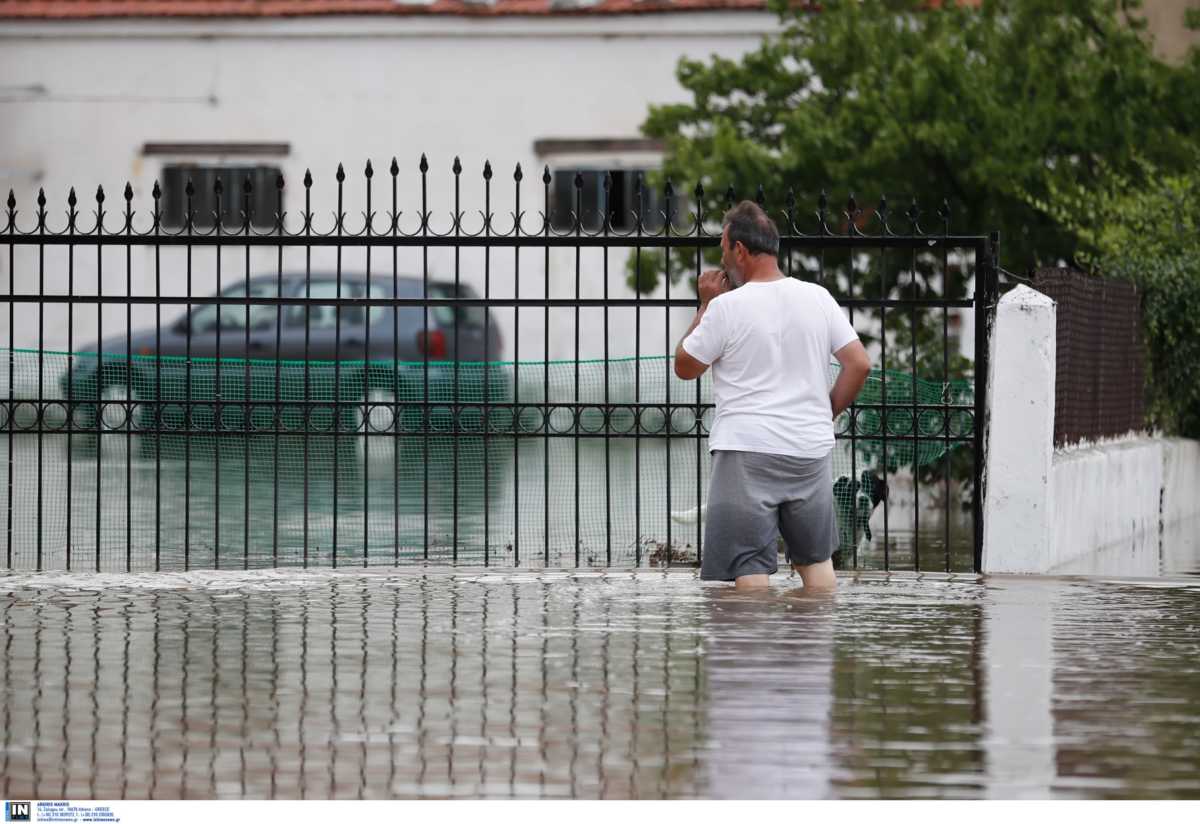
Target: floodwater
{"type": "Point", "coordinates": [649, 684]}
{"type": "Point", "coordinates": [140, 505]}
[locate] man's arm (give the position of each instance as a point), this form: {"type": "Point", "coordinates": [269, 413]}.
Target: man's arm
{"type": "Point", "coordinates": [856, 364]}
{"type": "Point", "coordinates": [687, 367]}
{"type": "Point", "coordinates": [708, 286]}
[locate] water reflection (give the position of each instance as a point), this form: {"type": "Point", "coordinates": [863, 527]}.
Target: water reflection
{"type": "Point", "coordinates": [327, 684]}
{"type": "Point", "coordinates": [768, 664]}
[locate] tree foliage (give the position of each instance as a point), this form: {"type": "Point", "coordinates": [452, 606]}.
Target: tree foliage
{"type": "Point", "coordinates": [1147, 230]}
{"type": "Point", "coordinates": [991, 108]}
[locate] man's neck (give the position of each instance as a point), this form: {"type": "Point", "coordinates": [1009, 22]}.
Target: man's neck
{"type": "Point", "coordinates": [764, 273]}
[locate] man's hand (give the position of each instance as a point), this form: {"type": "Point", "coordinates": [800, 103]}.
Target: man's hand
{"type": "Point", "coordinates": [712, 283]}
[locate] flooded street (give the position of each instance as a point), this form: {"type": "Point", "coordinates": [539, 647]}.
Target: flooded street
{"type": "Point", "coordinates": [432, 683]}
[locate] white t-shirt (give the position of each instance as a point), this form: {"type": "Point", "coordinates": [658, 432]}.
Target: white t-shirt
{"type": "Point", "coordinates": [769, 344]}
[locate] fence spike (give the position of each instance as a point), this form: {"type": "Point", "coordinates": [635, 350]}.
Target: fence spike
{"type": "Point", "coordinates": [307, 179]}
{"type": "Point", "coordinates": [394, 168]}
{"type": "Point", "coordinates": [578, 180]}
{"type": "Point", "coordinates": [190, 188]}
{"type": "Point", "coordinates": [41, 198]}
{"type": "Point", "coordinates": [279, 180]}
{"type": "Point", "coordinates": [456, 167]}
{"type": "Point", "coordinates": [219, 187]}
{"type": "Point", "coordinates": [699, 190]}
{"type": "Point", "coordinates": [99, 194]}
{"type": "Point", "coordinates": [340, 176]}
{"type": "Point", "coordinates": [71, 199]}
{"type": "Point", "coordinates": [369, 172]}
{"type": "Point", "coordinates": [12, 200]}
{"type": "Point", "coordinates": [424, 164]}
{"type": "Point", "coordinates": [518, 175]}
{"type": "Point", "coordinates": [546, 175]}
{"type": "Point", "coordinates": [247, 187]}
{"type": "Point", "coordinates": [155, 193]}
{"type": "Point", "coordinates": [487, 170]}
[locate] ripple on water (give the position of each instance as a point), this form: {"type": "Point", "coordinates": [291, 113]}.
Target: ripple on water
{"type": "Point", "coordinates": [435, 683]}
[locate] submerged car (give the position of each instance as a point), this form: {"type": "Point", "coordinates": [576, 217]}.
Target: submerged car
{"type": "Point", "coordinates": [300, 367]}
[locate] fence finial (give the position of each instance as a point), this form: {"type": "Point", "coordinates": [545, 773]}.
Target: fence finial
{"type": "Point", "coordinates": [394, 168]}
{"type": "Point", "coordinates": [155, 193]}
{"type": "Point", "coordinates": [41, 198]}
{"type": "Point", "coordinates": [71, 199]}
{"type": "Point", "coordinates": [518, 175]}
{"type": "Point", "coordinates": [340, 176]}
{"type": "Point", "coordinates": [99, 194]}
{"type": "Point", "coordinates": [307, 178]}
{"type": "Point", "coordinates": [456, 166]}
{"type": "Point", "coordinates": [423, 166]}
{"type": "Point", "coordinates": [369, 172]}
{"type": "Point", "coordinates": [546, 175]}
{"type": "Point", "coordinates": [487, 170]}
{"type": "Point", "coordinates": [12, 200]}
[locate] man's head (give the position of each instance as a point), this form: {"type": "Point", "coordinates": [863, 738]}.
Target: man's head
{"type": "Point", "coordinates": [749, 240]}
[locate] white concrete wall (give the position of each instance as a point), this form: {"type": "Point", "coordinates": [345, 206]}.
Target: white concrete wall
{"type": "Point", "coordinates": [1105, 504]}
{"type": "Point", "coordinates": [1130, 506]}
{"type": "Point", "coordinates": [1180, 530]}
{"type": "Point", "coordinates": [79, 100]}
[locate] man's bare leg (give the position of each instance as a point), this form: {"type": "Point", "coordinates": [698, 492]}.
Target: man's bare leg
{"type": "Point", "coordinates": [817, 577]}
{"type": "Point", "coordinates": [751, 582]}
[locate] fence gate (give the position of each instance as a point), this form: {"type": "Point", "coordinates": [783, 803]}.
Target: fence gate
{"type": "Point", "coordinates": [213, 380]}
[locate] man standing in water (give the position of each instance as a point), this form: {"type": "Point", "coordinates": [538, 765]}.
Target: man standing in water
{"type": "Point", "coordinates": [768, 339]}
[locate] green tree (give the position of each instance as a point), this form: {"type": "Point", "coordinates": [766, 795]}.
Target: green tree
{"type": "Point", "coordinates": [991, 108]}
{"type": "Point", "coordinates": [1146, 228]}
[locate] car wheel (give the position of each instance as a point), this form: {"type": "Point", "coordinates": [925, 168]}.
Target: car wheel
{"type": "Point", "coordinates": [377, 416]}
{"type": "Point", "coordinates": [117, 407]}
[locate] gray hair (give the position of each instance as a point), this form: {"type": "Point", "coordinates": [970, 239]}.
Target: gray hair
{"type": "Point", "coordinates": [749, 225]}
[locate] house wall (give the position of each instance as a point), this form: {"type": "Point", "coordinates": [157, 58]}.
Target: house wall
{"type": "Point", "coordinates": [80, 99]}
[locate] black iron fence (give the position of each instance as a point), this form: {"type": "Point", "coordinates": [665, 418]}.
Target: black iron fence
{"type": "Point", "coordinates": [1100, 366]}
{"type": "Point", "coordinates": [485, 389]}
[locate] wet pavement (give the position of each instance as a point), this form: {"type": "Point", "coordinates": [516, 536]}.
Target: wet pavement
{"type": "Point", "coordinates": [501, 683]}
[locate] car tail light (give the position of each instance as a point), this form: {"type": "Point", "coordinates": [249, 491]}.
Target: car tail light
{"type": "Point", "coordinates": [432, 344]}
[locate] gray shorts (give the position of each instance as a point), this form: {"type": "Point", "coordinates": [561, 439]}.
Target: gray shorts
{"type": "Point", "coordinates": [753, 499]}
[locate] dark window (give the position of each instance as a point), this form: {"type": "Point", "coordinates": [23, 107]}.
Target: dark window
{"type": "Point", "coordinates": [623, 201]}
{"type": "Point", "coordinates": [263, 198]}
{"type": "Point", "coordinates": [325, 315]}
{"type": "Point", "coordinates": [232, 315]}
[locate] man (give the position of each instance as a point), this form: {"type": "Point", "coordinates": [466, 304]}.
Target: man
{"type": "Point", "coordinates": [768, 339]}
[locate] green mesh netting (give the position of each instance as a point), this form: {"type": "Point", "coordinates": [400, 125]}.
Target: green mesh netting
{"type": "Point", "coordinates": [317, 454]}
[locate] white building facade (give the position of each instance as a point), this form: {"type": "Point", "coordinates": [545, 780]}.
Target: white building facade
{"type": "Point", "coordinates": [161, 96]}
